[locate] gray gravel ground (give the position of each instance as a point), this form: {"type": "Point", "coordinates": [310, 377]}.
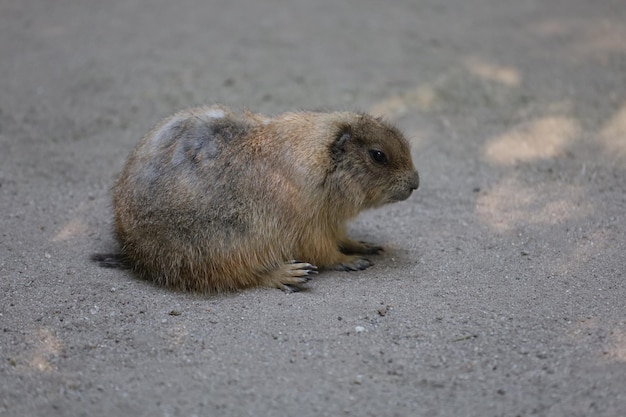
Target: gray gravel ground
{"type": "Point", "coordinates": [501, 293]}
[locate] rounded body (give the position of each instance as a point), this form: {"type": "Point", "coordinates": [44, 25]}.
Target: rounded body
{"type": "Point", "coordinates": [214, 200]}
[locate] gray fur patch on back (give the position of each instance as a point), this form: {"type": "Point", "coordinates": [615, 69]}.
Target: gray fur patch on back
{"type": "Point", "coordinates": [227, 129]}
{"type": "Point", "coordinates": [167, 134]}
{"type": "Point", "coordinates": [202, 140]}
{"type": "Point", "coordinates": [196, 143]}
{"type": "Point", "coordinates": [182, 145]}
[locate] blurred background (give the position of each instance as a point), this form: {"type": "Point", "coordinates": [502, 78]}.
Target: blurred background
{"type": "Point", "coordinates": [501, 290]}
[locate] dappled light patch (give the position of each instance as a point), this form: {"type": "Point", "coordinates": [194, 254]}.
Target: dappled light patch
{"type": "Point", "coordinates": [616, 349]}
{"type": "Point", "coordinates": [582, 328]}
{"type": "Point", "coordinates": [46, 347]}
{"type": "Point", "coordinates": [70, 230]}
{"type": "Point", "coordinates": [420, 98]}
{"type": "Point", "coordinates": [583, 250]}
{"type": "Point", "coordinates": [613, 135]}
{"type": "Point", "coordinates": [489, 71]}
{"type": "Point", "coordinates": [585, 38]}
{"type": "Point", "coordinates": [543, 138]}
{"type": "Point", "coordinates": [178, 333]}
{"type": "Point", "coordinates": [474, 81]}
{"type": "Point", "coordinates": [512, 203]}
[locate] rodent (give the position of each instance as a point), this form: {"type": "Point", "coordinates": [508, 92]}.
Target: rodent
{"type": "Point", "coordinates": [213, 200]}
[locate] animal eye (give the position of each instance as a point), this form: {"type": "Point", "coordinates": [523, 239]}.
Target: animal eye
{"type": "Point", "coordinates": [378, 156]}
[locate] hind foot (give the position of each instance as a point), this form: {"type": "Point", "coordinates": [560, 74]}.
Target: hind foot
{"type": "Point", "coordinates": [111, 260]}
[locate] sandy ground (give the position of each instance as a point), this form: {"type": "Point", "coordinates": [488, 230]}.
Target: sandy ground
{"type": "Point", "coordinates": [501, 293]}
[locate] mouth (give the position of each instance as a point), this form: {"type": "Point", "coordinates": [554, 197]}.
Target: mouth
{"type": "Point", "coordinates": [407, 188]}
{"type": "Point", "coordinates": [401, 196]}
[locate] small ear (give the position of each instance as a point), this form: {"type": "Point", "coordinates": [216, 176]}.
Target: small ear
{"type": "Point", "coordinates": [343, 139]}
{"type": "Point", "coordinates": [345, 134]}
{"type": "Point", "coordinates": [338, 147]}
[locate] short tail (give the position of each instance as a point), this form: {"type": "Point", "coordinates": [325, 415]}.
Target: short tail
{"type": "Point", "coordinates": [111, 260]}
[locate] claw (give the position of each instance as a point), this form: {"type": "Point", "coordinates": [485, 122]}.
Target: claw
{"type": "Point", "coordinates": [355, 264]}
{"type": "Point", "coordinates": [290, 288]}
{"type": "Point", "coordinates": [302, 268]}
{"type": "Point", "coordinates": [303, 265]}
{"type": "Point", "coordinates": [372, 249]}
{"type": "Point", "coordinates": [292, 276]}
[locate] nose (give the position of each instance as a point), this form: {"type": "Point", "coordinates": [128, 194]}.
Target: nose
{"type": "Point", "coordinates": [414, 181]}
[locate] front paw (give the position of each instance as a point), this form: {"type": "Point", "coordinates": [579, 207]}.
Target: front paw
{"type": "Point", "coordinates": [352, 263]}
{"type": "Point", "coordinates": [291, 276]}
{"type": "Point", "coordinates": [362, 248]}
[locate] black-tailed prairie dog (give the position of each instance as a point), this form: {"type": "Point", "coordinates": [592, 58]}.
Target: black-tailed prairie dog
{"type": "Point", "coordinates": [213, 200]}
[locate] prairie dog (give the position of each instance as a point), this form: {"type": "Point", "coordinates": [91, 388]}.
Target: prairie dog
{"type": "Point", "coordinates": [212, 200]}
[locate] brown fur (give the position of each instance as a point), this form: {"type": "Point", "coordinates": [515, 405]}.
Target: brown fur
{"type": "Point", "coordinates": [211, 200]}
